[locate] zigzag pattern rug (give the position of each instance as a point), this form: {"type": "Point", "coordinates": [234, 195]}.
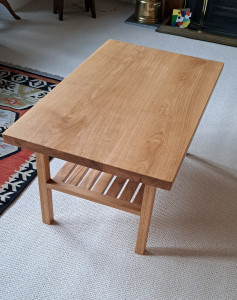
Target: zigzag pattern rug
{"type": "Point", "coordinates": [19, 91]}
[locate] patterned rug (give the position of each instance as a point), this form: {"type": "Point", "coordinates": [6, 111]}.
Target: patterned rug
{"type": "Point", "coordinates": [19, 91]}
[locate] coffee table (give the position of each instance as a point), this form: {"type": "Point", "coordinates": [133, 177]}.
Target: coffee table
{"type": "Point", "coordinates": [123, 121]}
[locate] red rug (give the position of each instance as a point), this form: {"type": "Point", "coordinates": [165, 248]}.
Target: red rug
{"type": "Point", "coordinates": [19, 91]}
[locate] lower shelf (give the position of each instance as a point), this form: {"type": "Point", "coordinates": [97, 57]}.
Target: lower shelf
{"type": "Point", "coordinates": [99, 187]}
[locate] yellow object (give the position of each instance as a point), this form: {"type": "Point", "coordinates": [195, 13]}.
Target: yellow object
{"type": "Point", "coordinates": [148, 11]}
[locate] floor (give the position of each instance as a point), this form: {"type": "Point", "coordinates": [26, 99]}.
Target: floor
{"type": "Point", "coordinates": [89, 252]}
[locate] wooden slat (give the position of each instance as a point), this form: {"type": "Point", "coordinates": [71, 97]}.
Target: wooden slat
{"type": "Point", "coordinates": [77, 175]}
{"type": "Point", "coordinates": [139, 197]}
{"type": "Point", "coordinates": [94, 196]}
{"type": "Point", "coordinates": [129, 191]}
{"type": "Point", "coordinates": [103, 182]}
{"type": "Point", "coordinates": [65, 171]}
{"type": "Point", "coordinates": [90, 179]}
{"type": "Point", "coordinates": [116, 187]}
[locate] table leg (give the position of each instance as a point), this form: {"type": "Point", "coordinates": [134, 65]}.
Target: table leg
{"type": "Point", "coordinates": [145, 218]}
{"type": "Point", "coordinates": [9, 8]}
{"type": "Point", "coordinates": [92, 8]}
{"type": "Point", "coordinates": [87, 5]}
{"type": "Point", "coordinates": [43, 172]}
{"type": "Point", "coordinates": [60, 9]}
{"type": "Point", "coordinates": [55, 6]}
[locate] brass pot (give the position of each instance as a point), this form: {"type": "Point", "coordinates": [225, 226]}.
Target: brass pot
{"type": "Point", "coordinates": [148, 11]}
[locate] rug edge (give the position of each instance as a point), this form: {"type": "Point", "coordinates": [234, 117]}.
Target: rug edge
{"type": "Point", "coordinates": [30, 70]}
{"type": "Point", "coordinates": [29, 180]}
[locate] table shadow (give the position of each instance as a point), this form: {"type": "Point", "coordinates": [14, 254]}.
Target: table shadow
{"type": "Point", "coordinates": [182, 252]}
{"type": "Point", "coordinates": [203, 215]}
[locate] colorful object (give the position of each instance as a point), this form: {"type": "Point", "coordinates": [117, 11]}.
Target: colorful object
{"type": "Point", "coordinates": [181, 18]}
{"type": "Point", "coordinates": [19, 91]}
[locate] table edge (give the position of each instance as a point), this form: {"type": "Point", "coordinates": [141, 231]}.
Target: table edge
{"type": "Point", "coordinates": [138, 177]}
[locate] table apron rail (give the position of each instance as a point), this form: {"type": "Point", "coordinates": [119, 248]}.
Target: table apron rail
{"type": "Point", "coordinates": [134, 208]}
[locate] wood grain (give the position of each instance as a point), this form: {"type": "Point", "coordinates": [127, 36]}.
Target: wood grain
{"type": "Point", "coordinates": [127, 110]}
{"type": "Point", "coordinates": [43, 172]}
{"type": "Point", "coordinates": [116, 187]}
{"type": "Point", "coordinates": [94, 196]}
{"type": "Point", "coordinates": [139, 196]}
{"type": "Point", "coordinates": [145, 218]}
{"type": "Point", "coordinates": [65, 171]}
{"type": "Point", "coordinates": [103, 182]}
{"type": "Point", "coordinates": [77, 175]}
{"type": "Point", "coordinates": [129, 191]}
{"type": "Point", "coordinates": [90, 179]}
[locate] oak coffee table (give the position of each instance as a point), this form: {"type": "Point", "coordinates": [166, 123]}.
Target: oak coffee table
{"type": "Point", "coordinates": [123, 121]}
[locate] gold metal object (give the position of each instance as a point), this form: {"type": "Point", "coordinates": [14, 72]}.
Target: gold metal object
{"type": "Point", "coordinates": [148, 11]}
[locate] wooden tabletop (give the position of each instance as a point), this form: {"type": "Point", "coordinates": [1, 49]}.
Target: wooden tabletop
{"type": "Point", "coordinates": [127, 110]}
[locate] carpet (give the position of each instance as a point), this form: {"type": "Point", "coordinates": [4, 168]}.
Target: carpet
{"type": "Point", "coordinates": [19, 91]}
{"type": "Point", "coordinates": [88, 254]}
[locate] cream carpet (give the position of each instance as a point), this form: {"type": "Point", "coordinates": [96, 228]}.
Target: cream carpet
{"type": "Point", "coordinates": [89, 252]}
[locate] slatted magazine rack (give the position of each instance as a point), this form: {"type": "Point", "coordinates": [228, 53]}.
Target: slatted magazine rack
{"type": "Point", "coordinates": [99, 187]}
